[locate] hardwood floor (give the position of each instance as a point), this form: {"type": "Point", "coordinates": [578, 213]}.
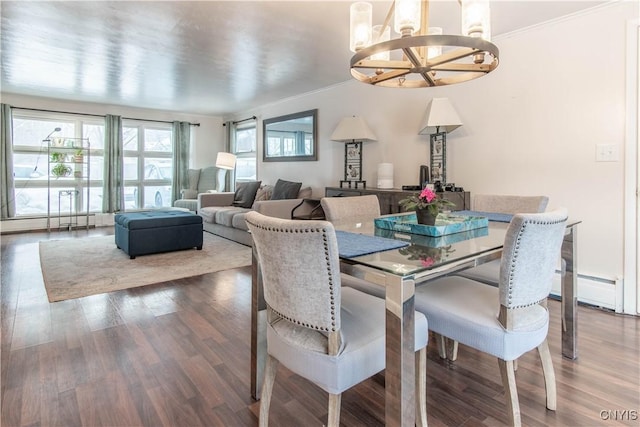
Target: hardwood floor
{"type": "Point", "coordinates": [177, 354]}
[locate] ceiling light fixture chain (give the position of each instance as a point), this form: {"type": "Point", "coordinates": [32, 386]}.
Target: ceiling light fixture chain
{"type": "Point", "coordinates": [422, 56]}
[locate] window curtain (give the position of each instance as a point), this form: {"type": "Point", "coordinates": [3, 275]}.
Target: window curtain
{"type": "Point", "coordinates": [113, 188]}
{"type": "Point", "coordinates": [230, 147]}
{"type": "Point", "coordinates": [181, 141]}
{"type": "Point", "coordinates": [7, 190]}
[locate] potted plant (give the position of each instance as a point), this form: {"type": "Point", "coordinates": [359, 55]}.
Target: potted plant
{"type": "Point", "coordinates": [427, 205]}
{"type": "Point", "coordinates": [61, 170]}
{"type": "Point", "coordinates": [57, 157]}
{"type": "Point", "coordinates": [78, 156]}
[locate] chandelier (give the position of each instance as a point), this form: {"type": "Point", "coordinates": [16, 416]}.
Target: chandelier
{"type": "Point", "coordinates": [422, 56]}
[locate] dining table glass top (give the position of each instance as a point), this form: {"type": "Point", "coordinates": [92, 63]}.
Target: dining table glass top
{"type": "Point", "coordinates": [425, 253]}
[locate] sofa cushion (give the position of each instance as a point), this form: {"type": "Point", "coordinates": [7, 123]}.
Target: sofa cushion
{"type": "Point", "coordinates": [285, 190]}
{"type": "Point", "coordinates": [239, 222]}
{"type": "Point", "coordinates": [225, 216]}
{"type": "Point", "coordinates": [208, 214]}
{"type": "Point", "coordinates": [245, 193]}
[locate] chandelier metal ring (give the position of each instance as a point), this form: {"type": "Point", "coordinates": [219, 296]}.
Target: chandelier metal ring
{"type": "Point", "coordinates": [445, 69]}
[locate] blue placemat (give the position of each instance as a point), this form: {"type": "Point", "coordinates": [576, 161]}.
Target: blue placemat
{"type": "Point", "coordinates": [491, 216]}
{"type": "Point", "coordinates": [353, 244]}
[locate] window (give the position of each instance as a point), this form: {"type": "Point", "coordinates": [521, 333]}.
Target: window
{"type": "Point", "coordinates": [245, 151]}
{"type": "Point", "coordinates": [148, 164]}
{"type": "Point", "coordinates": [33, 192]}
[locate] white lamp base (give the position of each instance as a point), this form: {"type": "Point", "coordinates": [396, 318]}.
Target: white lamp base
{"type": "Point", "coordinates": [222, 180]}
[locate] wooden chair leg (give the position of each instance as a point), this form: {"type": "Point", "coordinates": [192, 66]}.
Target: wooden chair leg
{"type": "Point", "coordinates": [509, 382]}
{"type": "Point", "coordinates": [421, 387]}
{"type": "Point", "coordinates": [334, 410]}
{"type": "Point", "coordinates": [447, 348]}
{"type": "Point", "coordinates": [549, 374]}
{"type": "Point", "coordinates": [270, 369]}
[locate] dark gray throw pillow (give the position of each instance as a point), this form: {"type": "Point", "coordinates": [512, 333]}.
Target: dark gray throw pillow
{"type": "Point", "coordinates": [285, 190]}
{"type": "Point", "coordinates": [245, 193]}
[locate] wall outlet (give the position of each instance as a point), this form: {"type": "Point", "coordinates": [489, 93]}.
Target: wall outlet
{"type": "Point", "coordinates": [607, 153]}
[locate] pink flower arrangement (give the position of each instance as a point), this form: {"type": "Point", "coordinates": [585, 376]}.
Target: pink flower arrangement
{"type": "Point", "coordinates": [426, 199]}
{"type": "Point", "coordinates": [427, 195]}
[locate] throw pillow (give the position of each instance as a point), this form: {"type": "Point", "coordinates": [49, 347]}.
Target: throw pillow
{"type": "Point", "coordinates": [285, 190]}
{"type": "Point", "coordinates": [245, 193]}
{"type": "Point", "coordinates": [264, 193]}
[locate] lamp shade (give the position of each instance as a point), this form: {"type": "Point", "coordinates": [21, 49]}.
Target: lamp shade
{"type": "Point", "coordinates": [226, 161]}
{"type": "Point", "coordinates": [440, 113]}
{"type": "Point", "coordinates": [353, 129]}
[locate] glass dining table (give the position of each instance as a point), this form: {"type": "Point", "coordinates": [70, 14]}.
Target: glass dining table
{"type": "Point", "coordinates": [398, 261]}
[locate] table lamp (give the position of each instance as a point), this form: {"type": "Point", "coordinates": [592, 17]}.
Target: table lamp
{"type": "Point", "coordinates": [440, 113]}
{"type": "Point", "coordinates": [353, 131]}
{"type": "Point", "coordinates": [224, 162]}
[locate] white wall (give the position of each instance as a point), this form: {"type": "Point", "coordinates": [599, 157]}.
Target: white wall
{"type": "Point", "coordinates": [208, 137]}
{"type": "Point", "coordinates": [530, 127]}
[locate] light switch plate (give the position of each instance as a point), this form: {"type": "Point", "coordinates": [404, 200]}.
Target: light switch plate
{"type": "Point", "coordinates": [607, 153]}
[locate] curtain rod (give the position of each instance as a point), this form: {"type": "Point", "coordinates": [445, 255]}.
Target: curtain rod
{"type": "Point", "coordinates": [240, 121]}
{"type": "Point", "coordinates": [97, 115]}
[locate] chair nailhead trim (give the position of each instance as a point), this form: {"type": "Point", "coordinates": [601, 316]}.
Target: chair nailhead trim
{"type": "Point", "coordinates": [327, 259]}
{"type": "Point", "coordinates": [515, 256]}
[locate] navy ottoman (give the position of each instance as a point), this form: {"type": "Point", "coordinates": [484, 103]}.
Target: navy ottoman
{"type": "Point", "coordinates": [142, 233]}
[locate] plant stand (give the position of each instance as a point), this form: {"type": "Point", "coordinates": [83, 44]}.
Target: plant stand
{"type": "Point", "coordinates": [69, 172]}
{"type": "Point", "coordinates": [72, 195]}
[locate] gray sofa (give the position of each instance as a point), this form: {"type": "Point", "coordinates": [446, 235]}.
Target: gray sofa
{"type": "Point", "coordinates": [220, 217]}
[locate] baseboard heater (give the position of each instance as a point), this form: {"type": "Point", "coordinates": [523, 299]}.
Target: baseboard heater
{"type": "Point", "coordinates": [595, 291]}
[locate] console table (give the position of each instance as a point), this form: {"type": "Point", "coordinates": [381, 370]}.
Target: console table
{"type": "Point", "coordinates": [390, 198]}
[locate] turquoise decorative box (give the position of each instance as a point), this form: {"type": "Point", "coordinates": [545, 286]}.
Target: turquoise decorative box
{"type": "Point", "coordinates": [432, 242]}
{"type": "Point", "coordinates": [445, 224]}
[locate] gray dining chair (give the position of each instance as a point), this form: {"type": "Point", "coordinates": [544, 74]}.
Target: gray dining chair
{"type": "Point", "coordinates": [511, 319]}
{"type": "Point", "coordinates": [489, 272]}
{"type": "Point", "coordinates": [354, 214]}
{"type": "Point", "coordinates": [351, 211]}
{"type": "Point", "coordinates": [331, 335]}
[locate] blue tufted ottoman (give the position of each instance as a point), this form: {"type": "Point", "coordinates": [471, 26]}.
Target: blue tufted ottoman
{"type": "Point", "coordinates": [142, 233]}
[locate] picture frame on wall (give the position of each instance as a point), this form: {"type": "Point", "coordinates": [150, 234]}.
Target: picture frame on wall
{"type": "Point", "coordinates": [438, 157]}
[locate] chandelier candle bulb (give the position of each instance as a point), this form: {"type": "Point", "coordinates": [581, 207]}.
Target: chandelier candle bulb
{"type": "Point", "coordinates": [407, 17]}
{"type": "Point", "coordinates": [379, 36]}
{"type": "Point", "coordinates": [476, 19]}
{"type": "Point", "coordinates": [434, 51]}
{"type": "Point", "coordinates": [360, 26]}
{"type": "Point", "coordinates": [385, 175]}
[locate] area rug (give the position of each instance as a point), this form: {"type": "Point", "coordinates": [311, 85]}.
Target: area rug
{"type": "Point", "coordinates": [75, 268]}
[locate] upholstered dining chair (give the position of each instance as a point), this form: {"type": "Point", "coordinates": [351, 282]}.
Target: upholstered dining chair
{"type": "Point", "coordinates": [331, 335]}
{"type": "Point", "coordinates": [351, 211]}
{"type": "Point", "coordinates": [489, 272]}
{"type": "Point", "coordinates": [512, 319]}
{"type": "Point", "coordinates": [354, 214]}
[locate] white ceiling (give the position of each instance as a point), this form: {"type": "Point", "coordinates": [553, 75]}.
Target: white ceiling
{"type": "Point", "coordinates": [207, 57]}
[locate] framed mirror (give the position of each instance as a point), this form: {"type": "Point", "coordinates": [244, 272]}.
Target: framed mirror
{"type": "Point", "coordinates": [290, 138]}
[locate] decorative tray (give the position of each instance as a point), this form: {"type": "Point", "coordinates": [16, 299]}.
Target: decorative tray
{"type": "Point", "coordinates": [430, 241]}
{"type": "Point", "coordinates": [445, 224]}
